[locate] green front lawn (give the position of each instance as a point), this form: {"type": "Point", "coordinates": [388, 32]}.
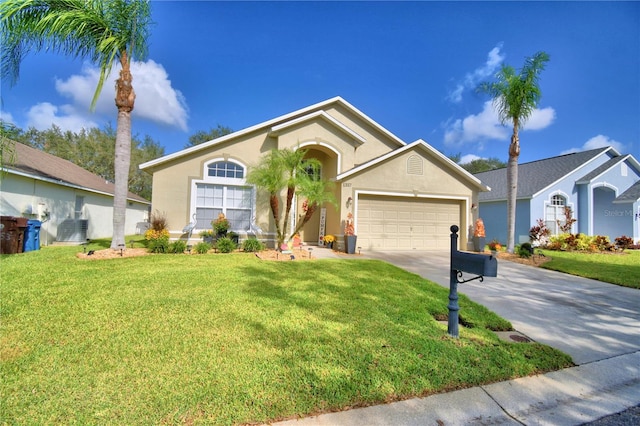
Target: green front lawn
{"type": "Point", "coordinates": [616, 268]}
{"type": "Point", "coordinates": [228, 339]}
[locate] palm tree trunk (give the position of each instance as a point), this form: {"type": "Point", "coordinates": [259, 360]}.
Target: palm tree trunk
{"type": "Point", "coordinates": [512, 187]}
{"type": "Point", "coordinates": [291, 190]}
{"type": "Point", "coordinates": [275, 211]}
{"type": "Point", "coordinates": [125, 98]}
{"type": "Point", "coordinates": [307, 216]}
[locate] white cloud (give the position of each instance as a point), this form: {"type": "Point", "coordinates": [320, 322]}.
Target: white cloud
{"type": "Point", "coordinates": [466, 159]}
{"type": "Point", "coordinates": [596, 142]}
{"type": "Point", "coordinates": [7, 117]}
{"type": "Point", "coordinates": [486, 126]}
{"type": "Point", "coordinates": [476, 128]}
{"type": "Point", "coordinates": [156, 99]}
{"type": "Point", "coordinates": [540, 119]}
{"type": "Point", "coordinates": [43, 115]}
{"type": "Point", "coordinates": [471, 80]}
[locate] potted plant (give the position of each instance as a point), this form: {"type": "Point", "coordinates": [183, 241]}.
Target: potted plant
{"type": "Point", "coordinates": [207, 236]}
{"type": "Point", "coordinates": [329, 240]}
{"type": "Point", "coordinates": [494, 246]}
{"type": "Point", "coordinates": [478, 236]}
{"type": "Point", "coordinates": [220, 225]}
{"type": "Point", "coordinates": [349, 235]}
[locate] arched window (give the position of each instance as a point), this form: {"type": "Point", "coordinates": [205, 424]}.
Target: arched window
{"type": "Point", "coordinates": [225, 169]}
{"type": "Point", "coordinates": [554, 213]}
{"type": "Point", "coordinates": [223, 190]}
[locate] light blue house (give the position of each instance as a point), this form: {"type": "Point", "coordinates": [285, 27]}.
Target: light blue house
{"type": "Point", "coordinates": [601, 187]}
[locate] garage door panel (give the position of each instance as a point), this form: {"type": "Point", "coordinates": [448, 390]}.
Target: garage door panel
{"type": "Point", "coordinates": [396, 223]}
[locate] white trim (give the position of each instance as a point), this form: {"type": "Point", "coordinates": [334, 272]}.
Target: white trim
{"type": "Point", "coordinates": [428, 148]}
{"type": "Point", "coordinates": [568, 203]}
{"type": "Point", "coordinates": [224, 180]}
{"type": "Point", "coordinates": [359, 192]}
{"type": "Point", "coordinates": [325, 145]}
{"type": "Point", "coordinates": [271, 123]}
{"type": "Point", "coordinates": [276, 130]}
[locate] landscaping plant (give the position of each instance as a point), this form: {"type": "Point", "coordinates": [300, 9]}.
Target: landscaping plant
{"type": "Point", "coordinates": [252, 245]}
{"type": "Point", "coordinates": [202, 247]}
{"type": "Point", "coordinates": [225, 245]}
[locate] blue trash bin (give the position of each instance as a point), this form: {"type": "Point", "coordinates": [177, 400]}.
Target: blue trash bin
{"type": "Point", "coordinates": [32, 236]}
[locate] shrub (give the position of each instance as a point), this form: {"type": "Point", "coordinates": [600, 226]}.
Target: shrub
{"type": "Point", "coordinates": [177, 247]}
{"type": "Point", "coordinates": [252, 245]}
{"type": "Point", "coordinates": [624, 242]}
{"type": "Point", "coordinates": [539, 234]}
{"type": "Point", "coordinates": [157, 240]}
{"type": "Point", "coordinates": [494, 245]}
{"type": "Point", "coordinates": [202, 247]}
{"type": "Point", "coordinates": [582, 242]}
{"type": "Point", "coordinates": [225, 245]}
{"type": "Point", "coordinates": [158, 221]}
{"type": "Point", "coordinates": [602, 243]}
{"type": "Point", "coordinates": [525, 250]}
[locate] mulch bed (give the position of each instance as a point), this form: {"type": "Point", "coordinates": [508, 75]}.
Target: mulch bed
{"type": "Point", "coordinates": [273, 255]}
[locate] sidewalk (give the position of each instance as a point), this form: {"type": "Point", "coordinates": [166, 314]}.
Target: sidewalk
{"type": "Point", "coordinates": [572, 396]}
{"type": "Point", "coordinates": [603, 341]}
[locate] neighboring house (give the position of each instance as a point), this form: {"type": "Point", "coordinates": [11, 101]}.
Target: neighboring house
{"type": "Point", "coordinates": [601, 187]}
{"type": "Point", "coordinates": [73, 203]}
{"type": "Point", "coordinates": [402, 196]}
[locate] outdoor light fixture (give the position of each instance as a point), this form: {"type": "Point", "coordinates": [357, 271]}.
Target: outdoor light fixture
{"type": "Point", "coordinates": [310, 250]}
{"type": "Point", "coordinates": [359, 248]}
{"type": "Point", "coordinates": [121, 248]}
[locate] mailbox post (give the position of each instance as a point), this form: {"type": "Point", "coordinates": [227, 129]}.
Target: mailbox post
{"type": "Point", "coordinates": [452, 326]}
{"type": "Point", "coordinates": [473, 263]}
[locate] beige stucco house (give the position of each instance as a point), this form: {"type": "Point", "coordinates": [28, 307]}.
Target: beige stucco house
{"type": "Point", "coordinates": [402, 196]}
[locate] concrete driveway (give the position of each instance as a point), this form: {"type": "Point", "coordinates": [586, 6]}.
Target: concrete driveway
{"type": "Point", "coordinates": [587, 319]}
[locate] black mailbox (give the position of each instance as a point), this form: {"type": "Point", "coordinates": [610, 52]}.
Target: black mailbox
{"type": "Point", "coordinates": [474, 263]}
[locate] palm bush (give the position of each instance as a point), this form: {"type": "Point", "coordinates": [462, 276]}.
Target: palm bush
{"type": "Point", "coordinates": [225, 245]}
{"type": "Point", "coordinates": [252, 245]}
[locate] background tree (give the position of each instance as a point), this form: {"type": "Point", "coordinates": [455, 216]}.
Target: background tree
{"type": "Point", "coordinates": [483, 165]}
{"type": "Point", "coordinates": [201, 136]}
{"type": "Point", "coordinates": [104, 31]}
{"type": "Point", "coordinates": [515, 97]}
{"type": "Point", "coordinates": [289, 170]}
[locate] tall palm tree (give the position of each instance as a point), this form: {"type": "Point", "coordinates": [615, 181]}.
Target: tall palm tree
{"type": "Point", "coordinates": [515, 97]}
{"type": "Point", "coordinates": [103, 31]}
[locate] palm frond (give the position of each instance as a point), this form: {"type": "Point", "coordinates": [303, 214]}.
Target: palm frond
{"type": "Point", "coordinates": [98, 30]}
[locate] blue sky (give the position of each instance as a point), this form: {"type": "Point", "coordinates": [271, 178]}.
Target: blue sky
{"type": "Point", "coordinates": [410, 66]}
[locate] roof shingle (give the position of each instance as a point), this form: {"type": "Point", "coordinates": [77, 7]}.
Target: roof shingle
{"type": "Point", "coordinates": [536, 175]}
{"type": "Point", "coordinates": [40, 164]}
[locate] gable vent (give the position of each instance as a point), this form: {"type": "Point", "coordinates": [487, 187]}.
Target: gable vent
{"type": "Point", "coordinates": [414, 165]}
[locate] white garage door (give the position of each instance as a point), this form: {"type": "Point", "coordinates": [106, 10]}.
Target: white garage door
{"type": "Point", "coordinates": [397, 223]}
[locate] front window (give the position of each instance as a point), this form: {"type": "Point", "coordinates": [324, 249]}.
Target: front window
{"type": "Point", "coordinates": [225, 169]}
{"type": "Point", "coordinates": [233, 201]}
{"type": "Point", "coordinates": [223, 191]}
{"type": "Point", "coordinates": [554, 214]}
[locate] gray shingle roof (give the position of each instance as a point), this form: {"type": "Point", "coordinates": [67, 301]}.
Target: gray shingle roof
{"type": "Point", "coordinates": [631, 195]}
{"type": "Point", "coordinates": [536, 175]}
{"type": "Point", "coordinates": [40, 164]}
{"type": "Point", "coordinates": [603, 168]}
